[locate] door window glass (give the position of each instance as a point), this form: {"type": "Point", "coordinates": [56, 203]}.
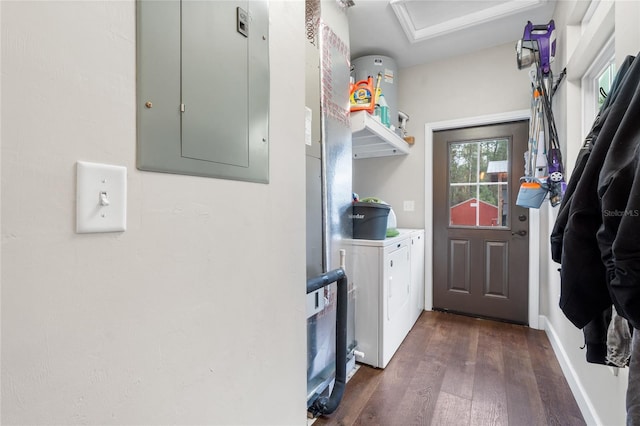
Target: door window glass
{"type": "Point", "coordinates": [478, 183]}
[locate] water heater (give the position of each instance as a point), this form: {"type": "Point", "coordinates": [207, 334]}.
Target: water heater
{"type": "Point", "coordinates": [372, 65]}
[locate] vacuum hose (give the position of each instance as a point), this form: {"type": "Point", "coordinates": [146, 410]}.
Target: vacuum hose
{"type": "Point", "coordinates": [327, 405]}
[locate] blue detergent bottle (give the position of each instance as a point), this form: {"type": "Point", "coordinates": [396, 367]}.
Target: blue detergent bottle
{"type": "Point", "coordinates": [384, 111]}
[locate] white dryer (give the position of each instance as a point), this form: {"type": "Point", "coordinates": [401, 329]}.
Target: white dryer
{"type": "Point", "coordinates": [380, 272]}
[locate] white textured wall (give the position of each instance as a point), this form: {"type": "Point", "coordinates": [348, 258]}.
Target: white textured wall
{"type": "Point", "coordinates": [484, 82]}
{"type": "Point", "coordinates": [627, 14]}
{"type": "Point", "coordinates": [195, 314]}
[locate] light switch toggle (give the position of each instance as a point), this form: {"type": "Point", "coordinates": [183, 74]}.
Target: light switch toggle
{"type": "Point", "coordinates": [104, 200]}
{"type": "Point", "coordinates": [108, 211]}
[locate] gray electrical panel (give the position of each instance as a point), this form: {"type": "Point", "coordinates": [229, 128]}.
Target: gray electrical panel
{"type": "Point", "coordinates": [203, 88]}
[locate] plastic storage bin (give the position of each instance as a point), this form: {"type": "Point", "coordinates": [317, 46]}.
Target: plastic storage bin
{"type": "Point", "coordinates": [370, 220]}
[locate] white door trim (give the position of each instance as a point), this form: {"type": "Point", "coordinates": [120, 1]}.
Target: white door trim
{"type": "Point", "coordinates": [534, 214]}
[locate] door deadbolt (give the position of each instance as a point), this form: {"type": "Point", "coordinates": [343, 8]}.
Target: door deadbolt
{"type": "Point", "coordinates": [522, 217]}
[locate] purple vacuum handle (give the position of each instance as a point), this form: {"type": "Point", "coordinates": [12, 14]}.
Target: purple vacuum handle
{"type": "Point", "coordinates": [543, 35]}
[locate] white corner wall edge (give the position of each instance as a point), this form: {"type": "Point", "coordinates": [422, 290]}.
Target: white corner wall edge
{"type": "Point", "coordinates": [584, 403]}
{"type": "Point", "coordinates": [534, 215]}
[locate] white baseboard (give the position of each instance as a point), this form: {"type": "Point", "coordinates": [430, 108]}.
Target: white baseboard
{"type": "Point", "coordinates": [584, 403]}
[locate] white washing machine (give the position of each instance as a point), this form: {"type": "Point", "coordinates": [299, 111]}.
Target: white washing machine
{"type": "Point", "coordinates": [380, 271]}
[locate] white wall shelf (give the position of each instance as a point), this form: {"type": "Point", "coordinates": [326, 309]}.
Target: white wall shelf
{"type": "Point", "coordinates": [372, 139]}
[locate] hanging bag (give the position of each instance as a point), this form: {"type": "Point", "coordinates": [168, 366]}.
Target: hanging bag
{"type": "Point", "coordinates": [532, 192]}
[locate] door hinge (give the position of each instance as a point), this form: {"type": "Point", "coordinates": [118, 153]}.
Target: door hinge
{"type": "Point", "coordinates": [181, 107]}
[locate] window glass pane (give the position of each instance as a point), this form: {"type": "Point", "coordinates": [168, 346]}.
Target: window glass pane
{"type": "Point", "coordinates": [494, 160]}
{"type": "Point", "coordinates": [462, 205]}
{"type": "Point", "coordinates": [463, 162]}
{"type": "Point", "coordinates": [603, 82]}
{"type": "Point", "coordinates": [493, 206]}
{"type": "Point", "coordinates": [478, 183]}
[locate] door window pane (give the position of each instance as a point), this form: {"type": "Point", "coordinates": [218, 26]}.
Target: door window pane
{"type": "Point", "coordinates": [478, 183]}
{"type": "Point", "coordinates": [463, 162]}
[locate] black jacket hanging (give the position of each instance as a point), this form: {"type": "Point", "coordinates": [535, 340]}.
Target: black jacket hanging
{"type": "Point", "coordinates": [584, 291]}
{"type": "Point", "coordinates": [557, 234]}
{"type": "Point", "coordinates": [619, 233]}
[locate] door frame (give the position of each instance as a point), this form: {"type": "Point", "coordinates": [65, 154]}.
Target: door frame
{"type": "Point", "coordinates": [534, 214]}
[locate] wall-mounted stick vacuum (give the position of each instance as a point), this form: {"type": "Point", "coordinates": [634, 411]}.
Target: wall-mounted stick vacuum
{"type": "Point", "coordinates": [538, 47]}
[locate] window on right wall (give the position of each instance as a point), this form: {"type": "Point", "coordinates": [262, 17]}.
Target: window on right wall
{"type": "Point", "coordinates": [596, 84]}
{"type": "Point", "coordinates": [603, 83]}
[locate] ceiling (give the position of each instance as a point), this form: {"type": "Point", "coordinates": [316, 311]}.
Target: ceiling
{"type": "Point", "coordinates": [419, 31]}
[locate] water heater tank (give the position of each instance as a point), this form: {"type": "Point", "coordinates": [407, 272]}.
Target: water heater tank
{"type": "Point", "coordinates": [371, 65]}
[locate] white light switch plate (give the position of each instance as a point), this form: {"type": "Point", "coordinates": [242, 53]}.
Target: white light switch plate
{"type": "Point", "coordinates": [101, 193]}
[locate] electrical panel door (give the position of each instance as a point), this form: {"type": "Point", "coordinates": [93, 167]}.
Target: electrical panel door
{"type": "Point", "coordinates": [203, 88]}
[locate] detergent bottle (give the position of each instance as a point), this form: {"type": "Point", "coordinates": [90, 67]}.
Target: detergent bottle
{"type": "Point", "coordinates": [362, 96]}
{"type": "Point", "coordinates": [384, 111]}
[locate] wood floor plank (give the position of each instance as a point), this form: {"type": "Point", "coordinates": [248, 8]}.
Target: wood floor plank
{"type": "Point", "coordinates": [452, 410]}
{"type": "Point", "coordinates": [409, 398]}
{"type": "Point", "coordinates": [360, 388]}
{"type": "Point", "coordinates": [425, 387]}
{"type": "Point", "coordinates": [559, 404]}
{"type": "Point", "coordinates": [489, 402]}
{"type": "Point", "coordinates": [456, 370]}
{"type": "Point", "coordinates": [458, 379]}
{"type": "Point", "coordinates": [523, 398]}
{"type": "Point", "coordinates": [417, 406]}
{"type": "Point", "coordinates": [383, 404]}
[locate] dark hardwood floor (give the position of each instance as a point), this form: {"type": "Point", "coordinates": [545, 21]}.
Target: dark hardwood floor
{"type": "Point", "coordinates": [457, 370]}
